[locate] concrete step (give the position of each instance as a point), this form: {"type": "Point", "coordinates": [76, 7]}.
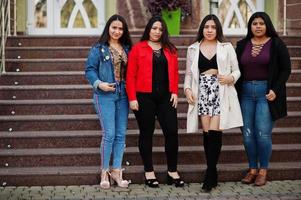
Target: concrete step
{"type": "Point", "coordinates": [37, 65]}
{"type": "Point", "coordinates": [47, 107]}
{"type": "Point", "coordinates": [82, 51]}
{"type": "Point", "coordinates": [293, 104]}
{"type": "Point", "coordinates": [90, 175]}
{"type": "Point", "coordinates": [92, 138]}
{"type": "Point", "coordinates": [39, 52]}
{"type": "Point", "coordinates": [183, 40]}
{"type": "Point", "coordinates": [44, 78]}
{"type": "Point", "coordinates": [84, 106]}
{"type": "Point", "coordinates": [90, 156]}
{"type": "Point", "coordinates": [82, 91]}
{"type": "Point", "coordinates": [78, 64]}
{"type": "Point", "coordinates": [32, 41]}
{"type": "Point", "coordinates": [78, 77]}
{"type": "Point", "coordinates": [295, 76]}
{"type": "Point", "coordinates": [46, 92]}
{"type": "Point", "coordinates": [90, 122]}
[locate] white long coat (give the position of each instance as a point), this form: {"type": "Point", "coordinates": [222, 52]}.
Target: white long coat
{"type": "Point", "coordinates": [230, 113]}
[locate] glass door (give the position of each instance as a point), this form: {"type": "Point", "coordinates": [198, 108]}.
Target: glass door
{"type": "Point", "coordinates": [79, 17]}
{"type": "Point", "coordinates": [66, 17]}
{"type": "Point", "coordinates": [40, 17]}
{"type": "Point", "coordinates": [234, 14]}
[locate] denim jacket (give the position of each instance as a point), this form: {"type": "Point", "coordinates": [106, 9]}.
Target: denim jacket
{"type": "Point", "coordinates": [99, 66]}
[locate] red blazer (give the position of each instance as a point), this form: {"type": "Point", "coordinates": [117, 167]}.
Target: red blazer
{"type": "Point", "coordinates": [140, 69]}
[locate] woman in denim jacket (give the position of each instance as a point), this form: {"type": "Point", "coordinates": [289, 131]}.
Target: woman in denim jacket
{"type": "Point", "coordinates": [105, 71]}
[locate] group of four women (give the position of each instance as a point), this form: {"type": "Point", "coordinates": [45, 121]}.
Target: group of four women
{"type": "Point", "coordinates": [145, 78]}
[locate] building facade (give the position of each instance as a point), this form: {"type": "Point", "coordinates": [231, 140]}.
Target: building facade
{"type": "Point", "coordinates": [88, 17]}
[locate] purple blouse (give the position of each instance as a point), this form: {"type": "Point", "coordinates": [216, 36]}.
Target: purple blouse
{"type": "Point", "coordinates": [256, 68]}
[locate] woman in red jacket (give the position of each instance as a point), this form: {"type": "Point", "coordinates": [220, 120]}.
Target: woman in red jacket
{"type": "Point", "coordinates": [152, 87]}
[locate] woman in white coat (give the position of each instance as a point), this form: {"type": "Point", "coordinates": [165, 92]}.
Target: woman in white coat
{"type": "Point", "coordinates": [211, 72]}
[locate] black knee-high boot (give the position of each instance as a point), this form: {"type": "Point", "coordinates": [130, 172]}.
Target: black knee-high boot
{"type": "Point", "coordinates": [205, 144]}
{"type": "Point", "coordinates": [217, 150]}
{"type": "Point", "coordinates": [214, 148]}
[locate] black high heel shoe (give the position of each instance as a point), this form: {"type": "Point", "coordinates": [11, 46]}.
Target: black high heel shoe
{"type": "Point", "coordinates": [177, 181]}
{"type": "Point", "coordinates": [153, 183]}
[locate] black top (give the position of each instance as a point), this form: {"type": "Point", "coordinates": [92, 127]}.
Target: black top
{"type": "Point", "coordinates": [160, 69]}
{"type": "Point", "coordinates": [279, 69]}
{"type": "Point", "coordinates": [206, 64]}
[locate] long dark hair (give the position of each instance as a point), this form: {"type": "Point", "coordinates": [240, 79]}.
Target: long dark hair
{"type": "Point", "coordinates": [219, 29]}
{"type": "Point", "coordinates": [270, 30]}
{"type": "Point", "coordinates": [164, 37]}
{"type": "Point", "coordinates": [125, 39]}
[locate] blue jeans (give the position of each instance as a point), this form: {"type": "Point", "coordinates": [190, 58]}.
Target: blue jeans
{"type": "Point", "coordinates": [258, 123]}
{"type": "Point", "coordinates": [112, 110]}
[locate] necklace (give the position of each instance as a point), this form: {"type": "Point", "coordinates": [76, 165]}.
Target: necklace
{"type": "Point", "coordinates": [154, 45]}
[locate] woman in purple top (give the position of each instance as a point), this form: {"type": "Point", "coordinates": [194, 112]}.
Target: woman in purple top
{"type": "Point", "coordinates": [265, 66]}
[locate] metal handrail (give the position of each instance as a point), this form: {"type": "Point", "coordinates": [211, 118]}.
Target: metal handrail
{"type": "Point", "coordinates": [5, 28]}
{"type": "Point", "coordinates": [284, 17]}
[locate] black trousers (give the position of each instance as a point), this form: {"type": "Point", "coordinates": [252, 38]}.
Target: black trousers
{"type": "Point", "coordinates": [151, 106]}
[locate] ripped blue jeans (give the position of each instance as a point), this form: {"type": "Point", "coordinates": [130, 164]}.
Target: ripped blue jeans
{"type": "Point", "coordinates": [258, 123]}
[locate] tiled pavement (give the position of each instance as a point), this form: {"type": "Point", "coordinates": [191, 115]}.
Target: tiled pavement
{"type": "Point", "coordinates": [275, 190]}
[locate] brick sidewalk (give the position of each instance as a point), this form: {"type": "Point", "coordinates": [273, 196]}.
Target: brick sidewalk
{"type": "Point", "coordinates": [274, 190]}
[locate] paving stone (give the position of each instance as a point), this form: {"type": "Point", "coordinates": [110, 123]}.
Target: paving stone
{"type": "Point", "coordinates": [22, 188]}
{"type": "Point", "coordinates": [281, 190]}
{"type": "Point", "coordinates": [187, 198]}
{"type": "Point", "coordinates": [34, 188]}
{"type": "Point", "coordinates": [6, 192]}
{"type": "Point", "coordinates": [290, 197]}
{"type": "Point", "coordinates": [25, 197]}
{"type": "Point", "coordinates": [58, 197]}
{"type": "Point", "coordinates": [137, 194]}
{"type": "Point", "coordinates": [245, 193]}
{"type": "Point", "coordinates": [42, 198]}
{"type": "Point", "coordinates": [8, 188]}
{"type": "Point", "coordinates": [173, 198]}
{"type": "Point", "coordinates": [137, 186]}
{"type": "Point", "coordinates": [130, 198]}
{"type": "Point", "coordinates": [4, 196]}
{"type": "Point", "coordinates": [119, 189]}
{"type": "Point", "coordinates": [15, 198]}
{"type": "Point", "coordinates": [88, 198]}
{"type": "Point", "coordinates": [60, 188]}
{"type": "Point", "coordinates": [99, 198]}
{"type": "Point", "coordinates": [19, 193]}
{"type": "Point", "coordinates": [46, 194]}
{"type": "Point", "coordinates": [143, 198]}
{"type": "Point", "coordinates": [67, 197]}
{"type": "Point", "coordinates": [114, 198]}
{"type": "Point", "coordinates": [47, 188]}
{"type": "Point", "coordinates": [185, 193]}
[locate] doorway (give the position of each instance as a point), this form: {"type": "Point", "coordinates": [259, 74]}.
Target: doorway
{"type": "Point", "coordinates": [65, 17]}
{"type": "Point", "coordinates": [234, 14]}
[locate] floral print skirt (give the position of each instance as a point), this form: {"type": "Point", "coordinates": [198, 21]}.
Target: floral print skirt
{"type": "Point", "coordinates": [208, 101]}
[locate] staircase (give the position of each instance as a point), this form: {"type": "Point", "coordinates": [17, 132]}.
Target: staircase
{"type": "Point", "coordinates": [50, 135]}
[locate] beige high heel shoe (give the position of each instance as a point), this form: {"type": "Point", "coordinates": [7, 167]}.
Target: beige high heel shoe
{"type": "Point", "coordinates": [104, 183]}
{"type": "Point", "coordinates": [116, 176]}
